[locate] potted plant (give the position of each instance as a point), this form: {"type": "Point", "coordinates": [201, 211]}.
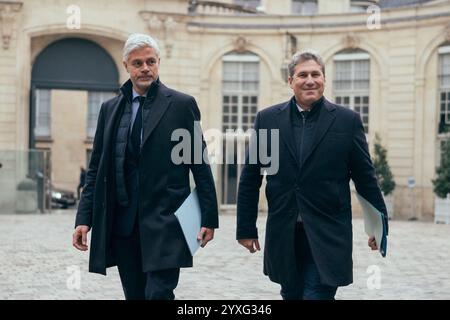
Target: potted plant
{"type": "Point", "coordinates": [441, 187]}
{"type": "Point", "coordinates": [384, 174]}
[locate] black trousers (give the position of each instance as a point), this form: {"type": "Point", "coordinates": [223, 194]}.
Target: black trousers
{"type": "Point", "coordinates": [310, 286]}
{"type": "Point", "coordinates": [139, 285]}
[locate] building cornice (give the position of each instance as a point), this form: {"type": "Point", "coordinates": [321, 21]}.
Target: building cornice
{"type": "Point", "coordinates": [264, 23]}
{"type": "Point", "coordinates": [392, 18]}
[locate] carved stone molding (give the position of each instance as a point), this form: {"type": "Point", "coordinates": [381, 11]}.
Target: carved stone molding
{"type": "Point", "coordinates": [291, 45]}
{"type": "Point", "coordinates": [8, 13]}
{"type": "Point", "coordinates": [163, 26]}
{"type": "Point", "coordinates": [240, 44]}
{"type": "Point", "coordinates": [447, 33]}
{"type": "Point", "coordinates": [351, 41]}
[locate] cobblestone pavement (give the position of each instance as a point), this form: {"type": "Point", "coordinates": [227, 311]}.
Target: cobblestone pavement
{"type": "Point", "coordinates": [37, 262]}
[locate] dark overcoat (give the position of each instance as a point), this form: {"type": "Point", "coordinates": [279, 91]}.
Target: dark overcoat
{"type": "Point", "coordinates": [318, 188]}
{"type": "Point", "coordinates": [163, 183]}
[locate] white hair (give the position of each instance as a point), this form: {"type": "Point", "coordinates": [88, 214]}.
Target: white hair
{"type": "Point", "coordinates": [139, 40]}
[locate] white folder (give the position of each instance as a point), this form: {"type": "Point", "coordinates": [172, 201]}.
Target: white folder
{"type": "Point", "coordinates": [374, 224]}
{"type": "Point", "coordinates": [189, 217]}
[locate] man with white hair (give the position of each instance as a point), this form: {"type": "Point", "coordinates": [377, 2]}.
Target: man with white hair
{"type": "Point", "coordinates": [308, 247]}
{"type": "Point", "coordinates": [133, 186]}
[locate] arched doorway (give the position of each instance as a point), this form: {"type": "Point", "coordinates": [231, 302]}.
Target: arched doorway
{"type": "Point", "coordinates": [71, 64]}
{"type": "Point", "coordinates": [69, 81]}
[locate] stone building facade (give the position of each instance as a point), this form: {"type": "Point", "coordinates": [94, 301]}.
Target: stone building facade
{"type": "Point", "coordinates": [388, 60]}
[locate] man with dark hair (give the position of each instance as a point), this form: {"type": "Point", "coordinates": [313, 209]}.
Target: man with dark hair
{"type": "Point", "coordinates": [308, 247]}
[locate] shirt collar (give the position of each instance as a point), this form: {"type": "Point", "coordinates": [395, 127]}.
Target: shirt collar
{"type": "Point", "coordinates": [299, 107]}
{"type": "Point", "coordinates": [313, 108]}
{"type": "Point", "coordinates": [153, 87]}
{"type": "Point", "coordinates": [135, 94]}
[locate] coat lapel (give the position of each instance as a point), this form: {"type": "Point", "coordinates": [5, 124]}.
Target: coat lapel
{"type": "Point", "coordinates": [154, 112]}
{"type": "Point", "coordinates": [286, 131]}
{"type": "Point", "coordinates": [326, 118]}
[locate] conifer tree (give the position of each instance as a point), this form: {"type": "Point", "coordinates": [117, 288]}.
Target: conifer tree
{"type": "Point", "coordinates": [442, 181]}
{"type": "Point", "coordinates": [382, 169]}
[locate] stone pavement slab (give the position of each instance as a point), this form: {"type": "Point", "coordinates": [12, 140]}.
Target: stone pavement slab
{"type": "Point", "coordinates": [37, 261]}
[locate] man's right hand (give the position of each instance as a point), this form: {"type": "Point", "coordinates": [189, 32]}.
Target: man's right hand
{"type": "Point", "coordinates": [251, 244]}
{"type": "Point", "coordinates": [79, 238]}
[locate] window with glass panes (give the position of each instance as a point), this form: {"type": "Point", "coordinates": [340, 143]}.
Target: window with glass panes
{"type": "Point", "coordinates": [248, 3]}
{"type": "Point", "coordinates": [42, 128]}
{"type": "Point", "coordinates": [304, 7]}
{"type": "Point", "coordinates": [95, 100]}
{"type": "Point", "coordinates": [351, 83]}
{"type": "Point", "coordinates": [360, 5]}
{"type": "Point", "coordinates": [240, 87]}
{"type": "Point", "coordinates": [444, 89]}
{"type": "Point", "coordinates": [240, 90]}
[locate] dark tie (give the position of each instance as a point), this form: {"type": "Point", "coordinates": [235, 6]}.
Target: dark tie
{"type": "Point", "coordinates": [137, 128]}
{"type": "Point", "coordinates": [304, 114]}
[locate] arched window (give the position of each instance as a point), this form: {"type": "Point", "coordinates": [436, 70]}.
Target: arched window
{"type": "Point", "coordinates": [444, 89]}
{"type": "Point", "coordinates": [240, 90]}
{"type": "Point", "coordinates": [240, 97]}
{"type": "Point", "coordinates": [351, 82]}
{"type": "Point", "coordinates": [444, 97]}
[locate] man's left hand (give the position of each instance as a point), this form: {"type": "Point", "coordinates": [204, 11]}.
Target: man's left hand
{"type": "Point", "coordinates": [205, 235]}
{"type": "Point", "coordinates": [372, 243]}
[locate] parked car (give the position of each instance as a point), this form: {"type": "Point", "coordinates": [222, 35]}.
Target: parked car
{"type": "Point", "coordinates": [62, 199]}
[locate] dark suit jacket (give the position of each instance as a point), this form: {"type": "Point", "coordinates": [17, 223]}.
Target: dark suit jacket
{"type": "Point", "coordinates": [319, 188]}
{"type": "Point", "coordinates": [163, 185]}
